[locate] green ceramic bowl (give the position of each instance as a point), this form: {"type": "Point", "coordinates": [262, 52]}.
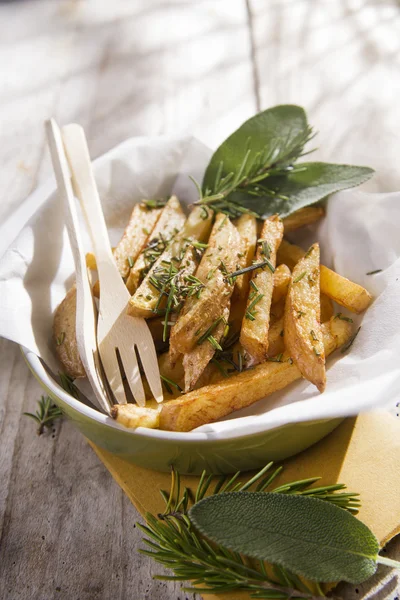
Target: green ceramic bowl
{"type": "Point", "coordinates": [188, 452]}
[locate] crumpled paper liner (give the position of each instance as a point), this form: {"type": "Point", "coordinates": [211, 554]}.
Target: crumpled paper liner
{"type": "Point", "coordinates": [358, 235]}
{"type": "Point", "coordinates": [363, 453]}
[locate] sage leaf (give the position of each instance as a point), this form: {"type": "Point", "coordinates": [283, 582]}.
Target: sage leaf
{"type": "Point", "coordinates": [310, 537]}
{"type": "Point", "coordinates": [302, 188]}
{"type": "Point", "coordinates": [271, 136]}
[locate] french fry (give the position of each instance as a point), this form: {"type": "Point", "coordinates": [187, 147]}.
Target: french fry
{"type": "Point", "coordinates": [277, 310]}
{"type": "Point", "coordinates": [132, 416]}
{"type": "Point", "coordinates": [197, 227]}
{"type": "Point", "coordinates": [196, 360]}
{"type": "Point", "coordinates": [255, 325]}
{"type": "Point", "coordinates": [173, 372]}
{"type": "Point", "coordinates": [168, 225]}
{"type": "Point", "coordinates": [276, 343]}
{"type": "Point", "coordinates": [304, 216]}
{"type": "Point", "coordinates": [91, 261]}
{"type": "Point", "coordinates": [335, 286]}
{"type": "Point", "coordinates": [343, 291]}
{"type": "Point", "coordinates": [136, 234]}
{"type": "Point", "coordinates": [302, 329]}
{"type": "Point", "coordinates": [282, 278]}
{"type": "Point", "coordinates": [215, 401]}
{"type": "Point", "coordinates": [327, 310]}
{"type": "Point", "coordinates": [199, 313]}
{"type": "Point", "coordinates": [64, 334]}
{"type": "Point", "coordinates": [247, 228]}
{"type": "Point", "coordinates": [289, 254]}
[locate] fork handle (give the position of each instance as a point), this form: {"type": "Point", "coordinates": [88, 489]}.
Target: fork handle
{"type": "Point", "coordinates": [85, 187]}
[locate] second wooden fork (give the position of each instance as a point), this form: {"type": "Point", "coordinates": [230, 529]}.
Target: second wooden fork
{"type": "Point", "coordinates": [119, 336]}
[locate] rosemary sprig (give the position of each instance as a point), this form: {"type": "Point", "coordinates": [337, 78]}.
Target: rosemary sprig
{"type": "Point", "coordinates": [299, 277]}
{"type": "Point", "coordinates": [252, 175]}
{"type": "Point", "coordinates": [209, 330]}
{"type": "Point", "coordinates": [169, 384]}
{"type": "Point", "coordinates": [374, 272]}
{"type": "Point", "coordinates": [343, 318]}
{"type": "Point", "coordinates": [45, 415]}
{"type": "Point", "coordinates": [155, 203]}
{"type": "Point", "coordinates": [253, 267]}
{"type": "Point", "coordinates": [250, 312]}
{"type": "Point", "coordinates": [47, 412]}
{"type": "Point", "coordinates": [351, 341]}
{"type": "Point", "coordinates": [210, 568]}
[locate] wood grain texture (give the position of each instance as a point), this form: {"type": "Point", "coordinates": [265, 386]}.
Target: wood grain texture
{"type": "Point", "coordinates": [126, 68]}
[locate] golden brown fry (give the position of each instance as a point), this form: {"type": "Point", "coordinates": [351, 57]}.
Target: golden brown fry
{"type": "Point", "coordinates": [254, 333]}
{"type": "Point", "coordinates": [213, 402]}
{"type": "Point", "coordinates": [129, 247]}
{"type": "Point", "coordinates": [196, 360]}
{"type": "Point", "coordinates": [132, 416]}
{"type": "Point", "coordinates": [277, 310]}
{"type": "Point", "coordinates": [344, 292]}
{"type": "Point", "coordinates": [326, 308]}
{"type": "Point", "coordinates": [282, 278]}
{"type": "Point", "coordinates": [197, 227]}
{"type": "Point", "coordinates": [304, 216]}
{"type": "Point", "coordinates": [247, 228]}
{"type": "Point", "coordinates": [289, 254]}
{"type": "Point", "coordinates": [64, 334]}
{"type": "Point", "coordinates": [91, 261]}
{"type": "Point", "coordinates": [199, 313]}
{"type": "Point", "coordinates": [276, 343]}
{"type": "Point", "coordinates": [168, 225]}
{"type": "Point", "coordinates": [302, 329]}
{"type": "Point", "coordinates": [335, 286]}
{"type": "Point", "coordinates": [172, 371]}
{"type": "Point", "coordinates": [136, 234]}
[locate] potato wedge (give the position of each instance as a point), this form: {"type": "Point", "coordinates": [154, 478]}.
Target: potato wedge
{"type": "Point", "coordinates": [255, 325]}
{"type": "Point", "coordinates": [282, 278]}
{"type": "Point", "coordinates": [142, 220]}
{"type": "Point", "coordinates": [64, 334]}
{"type": "Point", "coordinates": [302, 328]}
{"type": "Point", "coordinates": [335, 286]}
{"type": "Point", "coordinates": [304, 216]}
{"type": "Point", "coordinates": [168, 225]}
{"type": "Point", "coordinates": [247, 228]}
{"type": "Point", "coordinates": [136, 234]}
{"type": "Point", "coordinates": [215, 401]}
{"type": "Point", "coordinates": [196, 360]}
{"type": "Point", "coordinates": [132, 416]}
{"type": "Point", "coordinates": [199, 313]}
{"type": "Point", "coordinates": [197, 227]}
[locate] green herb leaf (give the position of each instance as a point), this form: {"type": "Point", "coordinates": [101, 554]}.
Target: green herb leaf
{"type": "Point", "coordinates": [47, 412]}
{"type": "Point", "coordinates": [308, 536]}
{"type": "Point", "coordinates": [256, 170]}
{"type": "Point", "coordinates": [270, 137]}
{"type": "Point", "coordinates": [302, 188]}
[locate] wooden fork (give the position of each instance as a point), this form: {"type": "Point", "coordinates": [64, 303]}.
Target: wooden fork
{"type": "Point", "coordinates": [119, 336]}
{"type": "Point", "coordinates": [85, 309]}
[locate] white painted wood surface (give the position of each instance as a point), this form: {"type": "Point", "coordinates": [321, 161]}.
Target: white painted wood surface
{"type": "Point", "coordinates": [126, 68]}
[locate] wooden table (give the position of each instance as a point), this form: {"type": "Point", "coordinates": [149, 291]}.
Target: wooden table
{"type": "Point", "coordinates": [126, 68]}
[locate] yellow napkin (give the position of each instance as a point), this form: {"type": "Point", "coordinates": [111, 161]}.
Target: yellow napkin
{"type": "Point", "coordinates": [363, 453]}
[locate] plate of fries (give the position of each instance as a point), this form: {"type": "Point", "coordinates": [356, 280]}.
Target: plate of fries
{"type": "Point", "coordinates": [243, 311]}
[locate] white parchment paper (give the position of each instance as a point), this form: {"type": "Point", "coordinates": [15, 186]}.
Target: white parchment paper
{"type": "Point", "coordinates": [361, 233]}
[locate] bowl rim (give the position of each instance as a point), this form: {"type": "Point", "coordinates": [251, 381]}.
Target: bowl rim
{"type": "Point", "coordinates": [37, 367]}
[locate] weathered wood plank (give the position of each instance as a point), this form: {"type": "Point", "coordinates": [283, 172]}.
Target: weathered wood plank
{"type": "Point", "coordinates": [120, 69]}
{"type": "Point", "coordinates": [340, 60]}
{"type": "Point", "coordinates": [67, 531]}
